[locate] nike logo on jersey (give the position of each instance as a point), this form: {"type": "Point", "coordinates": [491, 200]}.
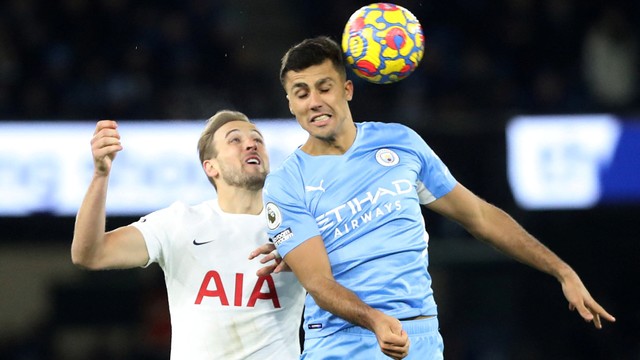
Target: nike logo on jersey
{"type": "Point", "coordinates": [195, 242]}
{"type": "Point", "coordinates": [315, 188]}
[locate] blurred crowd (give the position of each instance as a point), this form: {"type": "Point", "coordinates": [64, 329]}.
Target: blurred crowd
{"type": "Point", "coordinates": [76, 59]}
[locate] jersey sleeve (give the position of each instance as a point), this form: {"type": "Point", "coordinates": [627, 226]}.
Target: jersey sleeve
{"type": "Point", "coordinates": [434, 178]}
{"type": "Point", "coordinates": [155, 228]}
{"type": "Point", "coordinates": [289, 221]}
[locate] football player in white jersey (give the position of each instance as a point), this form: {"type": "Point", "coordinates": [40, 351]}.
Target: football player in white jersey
{"type": "Point", "coordinates": [344, 212]}
{"type": "Point", "coordinates": [219, 307]}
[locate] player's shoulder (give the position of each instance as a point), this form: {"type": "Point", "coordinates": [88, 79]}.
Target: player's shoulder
{"type": "Point", "coordinates": [179, 212]}
{"type": "Point", "coordinates": [388, 128]}
{"type": "Point", "coordinates": [387, 132]}
{"type": "Point", "coordinates": [379, 125]}
{"type": "Point", "coordinates": [288, 168]}
{"type": "Point", "coordinates": [285, 177]}
{"type": "Point", "coordinates": [181, 209]}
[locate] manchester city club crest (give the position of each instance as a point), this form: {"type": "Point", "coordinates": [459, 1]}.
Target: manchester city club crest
{"type": "Point", "coordinates": [386, 157]}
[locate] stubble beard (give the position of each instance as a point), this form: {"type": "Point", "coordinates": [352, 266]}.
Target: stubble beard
{"type": "Point", "coordinates": [252, 182]}
{"type": "Point", "coordinates": [327, 138]}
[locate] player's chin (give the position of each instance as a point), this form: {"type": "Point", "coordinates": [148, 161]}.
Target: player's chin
{"type": "Point", "coordinates": [255, 182]}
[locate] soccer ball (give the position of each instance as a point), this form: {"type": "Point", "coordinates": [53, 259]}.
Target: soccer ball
{"type": "Point", "coordinates": [383, 43]}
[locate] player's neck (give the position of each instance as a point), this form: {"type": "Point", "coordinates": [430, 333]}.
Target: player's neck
{"type": "Point", "coordinates": [240, 201]}
{"type": "Point", "coordinates": [337, 144]}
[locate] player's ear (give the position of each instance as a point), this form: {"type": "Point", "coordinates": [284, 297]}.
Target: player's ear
{"type": "Point", "coordinates": [290, 108]}
{"type": "Point", "coordinates": [210, 167]}
{"type": "Point", "coordinates": [348, 90]}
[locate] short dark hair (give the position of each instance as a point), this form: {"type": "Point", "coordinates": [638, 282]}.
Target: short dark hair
{"type": "Point", "coordinates": [310, 52]}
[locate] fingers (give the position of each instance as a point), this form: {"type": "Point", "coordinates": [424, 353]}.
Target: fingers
{"type": "Point", "coordinates": [104, 145]}
{"type": "Point", "coordinates": [265, 249]}
{"type": "Point", "coordinates": [106, 138]}
{"type": "Point", "coordinates": [266, 270]}
{"type": "Point", "coordinates": [271, 256]}
{"type": "Point", "coordinates": [397, 346]}
{"type": "Point", "coordinates": [598, 313]}
{"type": "Point", "coordinates": [584, 312]}
{"type": "Point", "coordinates": [395, 340]}
{"type": "Point", "coordinates": [282, 266]}
{"type": "Point", "coordinates": [581, 301]}
{"type": "Point", "coordinates": [105, 124]}
{"type": "Point", "coordinates": [596, 321]}
{"type": "Point", "coordinates": [592, 311]}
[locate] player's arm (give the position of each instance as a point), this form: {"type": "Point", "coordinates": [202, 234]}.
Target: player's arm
{"type": "Point", "coordinates": [491, 224]}
{"type": "Point", "coordinates": [310, 263]}
{"type": "Point", "coordinates": [92, 247]}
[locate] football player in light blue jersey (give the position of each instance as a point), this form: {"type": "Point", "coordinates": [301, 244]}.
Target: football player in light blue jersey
{"type": "Point", "coordinates": [344, 213]}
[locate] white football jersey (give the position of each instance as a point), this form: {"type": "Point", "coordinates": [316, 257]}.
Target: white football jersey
{"type": "Point", "coordinates": [220, 308]}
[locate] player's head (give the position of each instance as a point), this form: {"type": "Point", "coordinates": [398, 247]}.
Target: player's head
{"type": "Point", "coordinates": [313, 51]}
{"type": "Point", "coordinates": [231, 150]}
{"type": "Point", "coordinates": [314, 77]}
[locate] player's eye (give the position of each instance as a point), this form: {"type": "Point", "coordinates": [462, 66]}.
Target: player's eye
{"type": "Point", "coordinates": [301, 94]}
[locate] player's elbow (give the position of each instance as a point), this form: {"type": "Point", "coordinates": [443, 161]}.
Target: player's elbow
{"type": "Point", "coordinates": [83, 263]}
{"type": "Point", "coordinates": [82, 259]}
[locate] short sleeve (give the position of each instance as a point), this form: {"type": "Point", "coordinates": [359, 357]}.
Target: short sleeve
{"type": "Point", "coordinates": [155, 228]}
{"type": "Point", "coordinates": [434, 178]}
{"type": "Point", "coordinates": [289, 221]}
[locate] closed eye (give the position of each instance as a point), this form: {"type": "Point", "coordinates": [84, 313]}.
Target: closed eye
{"type": "Point", "coordinates": [301, 95]}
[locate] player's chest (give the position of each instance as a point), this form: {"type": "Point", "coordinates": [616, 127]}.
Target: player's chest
{"type": "Point", "coordinates": [221, 240]}
{"type": "Point", "coordinates": [360, 183]}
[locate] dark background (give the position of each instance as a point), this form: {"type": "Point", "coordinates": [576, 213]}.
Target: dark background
{"type": "Point", "coordinates": [485, 61]}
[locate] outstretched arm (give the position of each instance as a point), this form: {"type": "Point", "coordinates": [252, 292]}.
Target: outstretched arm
{"type": "Point", "coordinates": [91, 247]}
{"type": "Point", "coordinates": [489, 223]}
{"type": "Point", "coordinates": [310, 262]}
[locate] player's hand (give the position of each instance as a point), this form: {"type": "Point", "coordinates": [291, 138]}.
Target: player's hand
{"type": "Point", "coordinates": [272, 257]}
{"type": "Point", "coordinates": [104, 146]}
{"type": "Point", "coordinates": [393, 340]}
{"type": "Point", "coordinates": [581, 301]}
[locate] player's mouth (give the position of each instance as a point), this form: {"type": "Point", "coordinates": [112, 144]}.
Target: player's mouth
{"type": "Point", "coordinates": [253, 160]}
{"type": "Point", "coordinates": [321, 120]}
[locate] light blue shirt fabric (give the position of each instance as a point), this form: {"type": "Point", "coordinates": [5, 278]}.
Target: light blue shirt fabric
{"type": "Point", "coordinates": [366, 206]}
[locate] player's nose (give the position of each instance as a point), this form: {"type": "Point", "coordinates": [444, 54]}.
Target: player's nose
{"type": "Point", "coordinates": [315, 101]}
{"type": "Point", "coordinates": [251, 144]}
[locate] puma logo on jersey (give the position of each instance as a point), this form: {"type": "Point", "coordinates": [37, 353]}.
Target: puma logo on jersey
{"type": "Point", "coordinates": [315, 188]}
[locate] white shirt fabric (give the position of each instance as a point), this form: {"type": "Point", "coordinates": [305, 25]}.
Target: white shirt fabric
{"type": "Point", "coordinates": [220, 308]}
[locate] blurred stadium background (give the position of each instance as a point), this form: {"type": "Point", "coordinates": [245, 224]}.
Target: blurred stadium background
{"type": "Point", "coordinates": [485, 62]}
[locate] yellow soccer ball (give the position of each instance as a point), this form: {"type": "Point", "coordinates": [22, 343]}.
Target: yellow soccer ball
{"type": "Point", "coordinates": [383, 43]}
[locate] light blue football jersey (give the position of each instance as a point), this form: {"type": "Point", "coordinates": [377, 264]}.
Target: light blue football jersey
{"type": "Point", "coordinates": [366, 206]}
